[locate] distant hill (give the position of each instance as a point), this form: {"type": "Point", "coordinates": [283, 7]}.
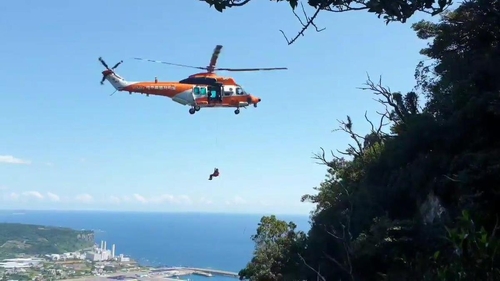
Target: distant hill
{"type": "Point", "coordinates": [17, 239]}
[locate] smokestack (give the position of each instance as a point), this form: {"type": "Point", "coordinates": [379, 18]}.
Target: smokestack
{"type": "Point", "coordinates": [104, 246]}
{"type": "Point", "coordinates": [113, 251]}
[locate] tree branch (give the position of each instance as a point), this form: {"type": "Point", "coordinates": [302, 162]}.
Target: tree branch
{"type": "Point", "coordinates": [344, 7]}
{"type": "Point", "coordinates": [228, 3]}
{"type": "Point", "coordinates": [387, 96]}
{"type": "Point", "coordinates": [360, 141]}
{"type": "Point", "coordinates": [397, 11]}
{"type": "Point", "coordinates": [321, 157]}
{"type": "Point", "coordinates": [309, 21]}
{"type": "Point", "coordinates": [311, 268]}
{"type": "Point", "coordinates": [345, 239]}
{"type": "Point", "coordinates": [381, 124]}
{"type": "Point", "coordinates": [347, 127]}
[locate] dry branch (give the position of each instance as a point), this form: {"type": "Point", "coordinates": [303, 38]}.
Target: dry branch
{"type": "Point", "coordinates": [345, 239]}
{"type": "Point", "coordinates": [318, 274]}
{"type": "Point", "coordinates": [309, 21]}
{"type": "Point", "coordinates": [386, 96]}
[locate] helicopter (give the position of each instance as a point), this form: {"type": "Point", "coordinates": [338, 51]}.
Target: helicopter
{"type": "Point", "coordinates": [201, 90]}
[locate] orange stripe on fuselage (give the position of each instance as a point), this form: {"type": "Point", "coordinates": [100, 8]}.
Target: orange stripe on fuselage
{"type": "Point", "coordinates": [166, 89]}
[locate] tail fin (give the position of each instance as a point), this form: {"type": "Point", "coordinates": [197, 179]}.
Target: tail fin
{"type": "Point", "coordinates": [115, 80]}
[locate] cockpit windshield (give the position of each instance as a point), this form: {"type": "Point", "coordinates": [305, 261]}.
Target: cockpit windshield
{"type": "Point", "coordinates": [240, 91]}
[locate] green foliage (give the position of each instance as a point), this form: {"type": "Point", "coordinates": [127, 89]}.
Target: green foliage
{"type": "Point", "coordinates": [277, 252]}
{"type": "Point", "coordinates": [420, 202]}
{"type": "Point", "coordinates": [474, 253]}
{"type": "Point", "coordinates": [28, 239]}
{"type": "Point", "coordinates": [389, 10]}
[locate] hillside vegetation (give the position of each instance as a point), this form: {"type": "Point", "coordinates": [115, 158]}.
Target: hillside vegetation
{"type": "Point", "coordinates": [418, 199]}
{"type": "Point", "coordinates": [18, 239]}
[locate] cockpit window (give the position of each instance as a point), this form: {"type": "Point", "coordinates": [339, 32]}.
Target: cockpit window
{"type": "Point", "coordinates": [240, 91]}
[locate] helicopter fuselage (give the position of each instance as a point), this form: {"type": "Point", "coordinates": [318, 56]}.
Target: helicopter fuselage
{"type": "Point", "coordinates": [198, 95]}
{"type": "Point", "coordinates": [204, 89]}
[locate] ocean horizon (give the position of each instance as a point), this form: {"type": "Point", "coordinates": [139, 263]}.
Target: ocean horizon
{"type": "Point", "coordinates": [205, 240]}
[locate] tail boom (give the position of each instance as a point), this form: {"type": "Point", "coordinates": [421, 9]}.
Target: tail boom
{"type": "Point", "coordinates": [115, 80]}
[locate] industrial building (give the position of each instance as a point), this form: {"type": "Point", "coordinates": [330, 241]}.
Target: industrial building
{"type": "Point", "coordinates": [103, 254]}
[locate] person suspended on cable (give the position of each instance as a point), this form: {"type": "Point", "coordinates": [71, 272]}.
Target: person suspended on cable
{"type": "Point", "coordinates": [214, 174]}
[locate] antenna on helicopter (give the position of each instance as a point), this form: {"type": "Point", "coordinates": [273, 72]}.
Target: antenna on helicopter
{"type": "Point", "coordinates": [213, 61]}
{"type": "Point", "coordinates": [106, 73]}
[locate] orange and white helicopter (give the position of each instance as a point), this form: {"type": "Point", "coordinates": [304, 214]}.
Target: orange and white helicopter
{"type": "Point", "coordinates": [200, 90]}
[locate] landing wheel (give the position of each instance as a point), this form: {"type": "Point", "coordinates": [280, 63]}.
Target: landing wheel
{"type": "Point", "coordinates": [237, 111]}
{"type": "Point", "coordinates": [197, 108]}
{"type": "Point", "coordinates": [192, 111]}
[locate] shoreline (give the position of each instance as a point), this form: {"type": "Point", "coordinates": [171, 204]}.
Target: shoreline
{"type": "Point", "coordinates": [96, 262]}
{"type": "Point", "coordinates": [152, 274]}
{"type": "Point", "coordinates": [79, 270]}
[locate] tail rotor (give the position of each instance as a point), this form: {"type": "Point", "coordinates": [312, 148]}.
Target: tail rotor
{"type": "Point", "coordinates": [109, 70]}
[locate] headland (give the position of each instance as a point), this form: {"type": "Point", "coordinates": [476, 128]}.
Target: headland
{"type": "Point", "coordinates": [32, 252]}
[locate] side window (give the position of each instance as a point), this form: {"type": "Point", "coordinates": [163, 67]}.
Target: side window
{"type": "Point", "coordinates": [239, 91]}
{"type": "Point", "coordinates": [196, 91]}
{"type": "Point", "coordinates": [203, 91]}
{"type": "Point", "coordinates": [228, 91]}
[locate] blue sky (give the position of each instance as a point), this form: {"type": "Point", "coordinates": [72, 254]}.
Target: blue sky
{"type": "Point", "coordinates": [86, 150]}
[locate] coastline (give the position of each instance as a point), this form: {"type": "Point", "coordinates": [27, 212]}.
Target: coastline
{"type": "Point", "coordinates": [36, 268]}
{"type": "Point", "coordinates": [142, 254]}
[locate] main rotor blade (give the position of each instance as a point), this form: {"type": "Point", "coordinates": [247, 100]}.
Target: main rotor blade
{"type": "Point", "coordinates": [103, 63]}
{"type": "Point", "coordinates": [215, 56]}
{"type": "Point", "coordinates": [175, 64]}
{"type": "Point", "coordinates": [116, 65]}
{"type": "Point", "coordinates": [251, 69]}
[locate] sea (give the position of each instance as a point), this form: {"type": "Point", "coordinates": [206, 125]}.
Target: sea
{"type": "Point", "coordinates": [203, 240]}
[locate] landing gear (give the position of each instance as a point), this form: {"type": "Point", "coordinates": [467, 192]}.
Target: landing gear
{"type": "Point", "coordinates": [237, 111]}
{"type": "Point", "coordinates": [193, 109]}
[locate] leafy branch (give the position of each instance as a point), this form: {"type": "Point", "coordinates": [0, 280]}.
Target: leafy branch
{"type": "Point", "coordinates": [220, 5]}
{"type": "Point", "coordinates": [391, 10]}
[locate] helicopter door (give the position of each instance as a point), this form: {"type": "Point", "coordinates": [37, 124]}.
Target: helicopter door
{"type": "Point", "coordinates": [199, 92]}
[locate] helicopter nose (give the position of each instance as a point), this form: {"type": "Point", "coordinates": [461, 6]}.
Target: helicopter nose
{"type": "Point", "coordinates": [255, 99]}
